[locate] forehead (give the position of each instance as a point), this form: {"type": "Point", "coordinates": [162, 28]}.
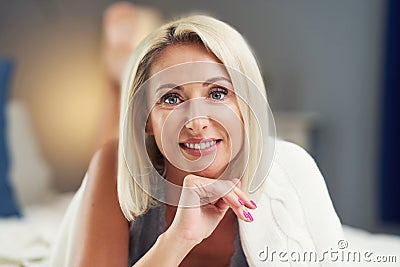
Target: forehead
{"type": "Point", "coordinates": [179, 54]}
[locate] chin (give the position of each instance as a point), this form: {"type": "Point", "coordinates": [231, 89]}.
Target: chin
{"type": "Point", "coordinates": [211, 172]}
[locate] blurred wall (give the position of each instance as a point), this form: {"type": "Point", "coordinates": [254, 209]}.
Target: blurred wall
{"type": "Point", "coordinates": [59, 76]}
{"type": "Point", "coordinates": [323, 57]}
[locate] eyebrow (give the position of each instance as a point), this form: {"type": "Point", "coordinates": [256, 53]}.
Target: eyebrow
{"type": "Point", "coordinates": [207, 82]}
{"type": "Point", "coordinates": [215, 79]}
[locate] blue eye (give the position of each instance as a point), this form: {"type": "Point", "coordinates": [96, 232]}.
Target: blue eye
{"type": "Point", "coordinates": [170, 99]}
{"type": "Point", "coordinates": [218, 93]}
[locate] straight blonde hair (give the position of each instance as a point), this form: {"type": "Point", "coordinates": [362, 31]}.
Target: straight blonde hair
{"type": "Point", "coordinates": [231, 49]}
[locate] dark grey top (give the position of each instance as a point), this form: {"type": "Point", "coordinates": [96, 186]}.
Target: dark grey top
{"type": "Point", "coordinates": [145, 230]}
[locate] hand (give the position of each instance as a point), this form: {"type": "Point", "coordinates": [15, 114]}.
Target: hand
{"type": "Point", "coordinates": [202, 205]}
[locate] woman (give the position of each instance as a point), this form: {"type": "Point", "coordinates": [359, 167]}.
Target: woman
{"type": "Point", "coordinates": [184, 185]}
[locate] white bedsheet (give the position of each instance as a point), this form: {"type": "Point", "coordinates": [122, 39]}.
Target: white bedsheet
{"type": "Point", "coordinates": [379, 247]}
{"type": "Point", "coordinates": [27, 241]}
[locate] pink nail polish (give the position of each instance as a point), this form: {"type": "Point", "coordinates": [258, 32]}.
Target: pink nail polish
{"type": "Point", "coordinates": [246, 214]}
{"type": "Point", "coordinates": [241, 201]}
{"type": "Point", "coordinates": [250, 217]}
{"type": "Point", "coordinates": [254, 204]}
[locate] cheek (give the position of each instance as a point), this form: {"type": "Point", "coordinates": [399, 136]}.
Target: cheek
{"type": "Point", "coordinates": [160, 128]}
{"type": "Point", "coordinates": [156, 125]}
{"type": "Point", "coordinates": [156, 131]}
{"type": "Point", "coordinates": [236, 130]}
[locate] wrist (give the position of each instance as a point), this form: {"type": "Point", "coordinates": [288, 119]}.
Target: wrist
{"type": "Point", "coordinates": [181, 243]}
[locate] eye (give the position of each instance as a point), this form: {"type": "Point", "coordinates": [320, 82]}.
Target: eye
{"type": "Point", "coordinates": [218, 93]}
{"type": "Point", "coordinates": [170, 99]}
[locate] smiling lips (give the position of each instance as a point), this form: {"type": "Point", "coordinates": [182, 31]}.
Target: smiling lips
{"type": "Point", "coordinates": [200, 147]}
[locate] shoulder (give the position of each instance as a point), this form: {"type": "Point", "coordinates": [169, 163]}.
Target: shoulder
{"type": "Point", "coordinates": [101, 184]}
{"type": "Point", "coordinates": [295, 201]}
{"type": "Point", "coordinates": [308, 184]}
{"type": "Point", "coordinates": [285, 151]}
{"type": "Point", "coordinates": [293, 158]}
{"type": "Point", "coordinates": [294, 168]}
{"type": "Point", "coordinates": [104, 160]}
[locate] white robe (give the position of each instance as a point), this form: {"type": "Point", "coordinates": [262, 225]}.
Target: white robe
{"type": "Point", "coordinates": [294, 215]}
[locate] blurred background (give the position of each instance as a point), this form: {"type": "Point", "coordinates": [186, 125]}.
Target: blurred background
{"type": "Point", "coordinates": [326, 65]}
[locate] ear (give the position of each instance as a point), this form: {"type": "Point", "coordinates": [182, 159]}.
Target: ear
{"type": "Point", "coordinates": [149, 126]}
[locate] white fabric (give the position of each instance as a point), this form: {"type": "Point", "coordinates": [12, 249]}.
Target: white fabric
{"type": "Point", "coordinates": [26, 241]}
{"type": "Point", "coordinates": [62, 249]}
{"type": "Point", "coordinates": [29, 172]}
{"type": "Point", "coordinates": [294, 213]}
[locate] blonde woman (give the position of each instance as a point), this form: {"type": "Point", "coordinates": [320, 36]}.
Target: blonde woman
{"type": "Point", "coordinates": [196, 177]}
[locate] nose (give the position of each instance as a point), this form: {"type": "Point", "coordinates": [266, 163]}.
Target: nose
{"type": "Point", "coordinates": [196, 125]}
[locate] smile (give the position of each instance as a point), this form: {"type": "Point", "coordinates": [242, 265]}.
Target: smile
{"type": "Point", "coordinates": [200, 147]}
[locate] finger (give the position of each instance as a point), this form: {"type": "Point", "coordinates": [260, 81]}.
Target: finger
{"type": "Point", "coordinates": [209, 191]}
{"type": "Point", "coordinates": [221, 204]}
{"type": "Point", "coordinates": [212, 191]}
{"type": "Point", "coordinates": [244, 199]}
{"type": "Point", "coordinates": [232, 199]}
{"type": "Point", "coordinates": [237, 182]}
{"type": "Point", "coordinates": [232, 196]}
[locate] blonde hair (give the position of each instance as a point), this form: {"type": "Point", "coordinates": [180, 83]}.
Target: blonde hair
{"type": "Point", "coordinates": [231, 49]}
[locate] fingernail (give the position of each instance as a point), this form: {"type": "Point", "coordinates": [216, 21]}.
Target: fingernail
{"type": "Point", "coordinates": [254, 204]}
{"type": "Point", "coordinates": [241, 201]}
{"type": "Point", "coordinates": [245, 214]}
{"type": "Point", "coordinates": [250, 217]}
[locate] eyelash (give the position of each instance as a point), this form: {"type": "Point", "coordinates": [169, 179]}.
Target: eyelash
{"type": "Point", "coordinates": [219, 89]}
{"type": "Point", "coordinates": [168, 95]}
{"type": "Point", "coordinates": [222, 90]}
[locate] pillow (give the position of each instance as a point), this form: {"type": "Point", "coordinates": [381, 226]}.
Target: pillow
{"type": "Point", "coordinates": [29, 172]}
{"type": "Point", "coordinates": [8, 205]}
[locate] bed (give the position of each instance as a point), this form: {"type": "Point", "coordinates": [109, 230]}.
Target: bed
{"type": "Point", "coordinates": [27, 241]}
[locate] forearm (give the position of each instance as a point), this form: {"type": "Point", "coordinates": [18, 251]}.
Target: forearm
{"type": "Point", "coordinates": [169, 250]}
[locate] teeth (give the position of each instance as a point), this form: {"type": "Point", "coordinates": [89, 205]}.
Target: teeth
{"type": "Point", "coordinates": [199, 146]}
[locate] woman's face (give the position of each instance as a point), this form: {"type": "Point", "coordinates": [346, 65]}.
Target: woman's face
{"type": "Point", "coordinates": [200, 134]}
